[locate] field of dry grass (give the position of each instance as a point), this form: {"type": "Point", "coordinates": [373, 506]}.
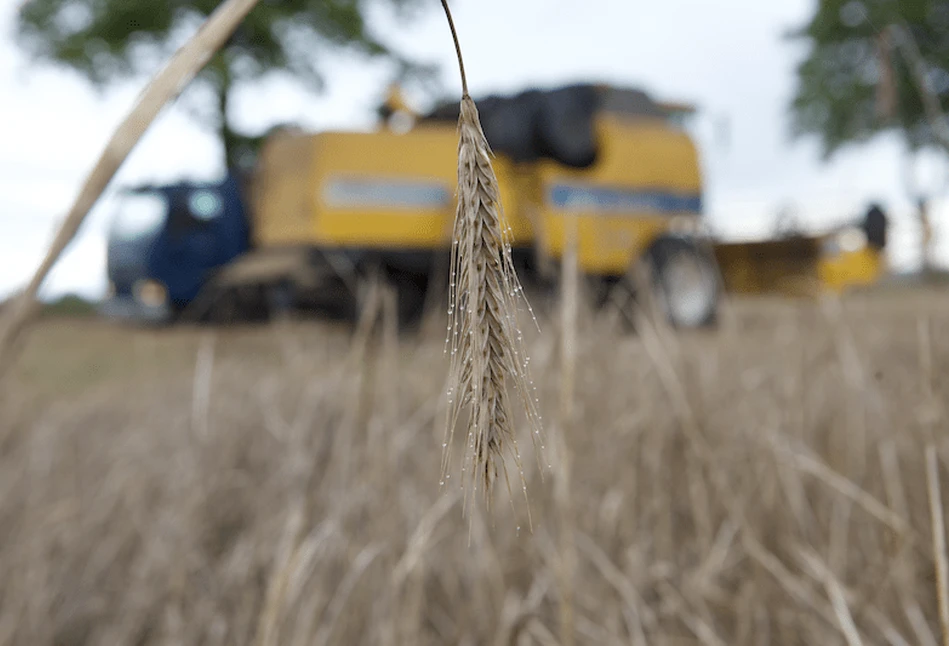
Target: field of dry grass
{"type": "Point", "coordinates": [763, 484]}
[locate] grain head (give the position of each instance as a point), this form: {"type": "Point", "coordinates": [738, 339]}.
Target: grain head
{"type": "Point", "coordinates": [488, 359]}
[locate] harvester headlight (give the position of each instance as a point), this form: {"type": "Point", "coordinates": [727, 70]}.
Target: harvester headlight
{"type": "Point", "coordinates": [150, 293]}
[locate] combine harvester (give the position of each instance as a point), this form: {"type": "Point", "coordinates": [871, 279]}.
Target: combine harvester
{"type": "Point", "coordinates": [321, 213]}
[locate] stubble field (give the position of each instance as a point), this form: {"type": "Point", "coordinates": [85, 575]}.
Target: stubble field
{"type": "Point", "coordinates": [765, 483]}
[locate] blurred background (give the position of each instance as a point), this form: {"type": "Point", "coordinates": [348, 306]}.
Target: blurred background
{"type": "Point", "coordinates": [733, 60]}
{"type": "Point", "coordinates": [741, 471]}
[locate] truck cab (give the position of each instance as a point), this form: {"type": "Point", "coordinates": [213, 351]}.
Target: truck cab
{"type": "Point", "coordinates": [165, 241]}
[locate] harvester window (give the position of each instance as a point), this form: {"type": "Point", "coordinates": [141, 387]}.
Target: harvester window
{"type": "Point", "coordinates": [138, 216]}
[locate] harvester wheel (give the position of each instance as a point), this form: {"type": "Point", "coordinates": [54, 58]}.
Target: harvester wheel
{"type": "Point", "coordinates": [684, 282]}
{"type": "Point", "coordinates": [676, 276]}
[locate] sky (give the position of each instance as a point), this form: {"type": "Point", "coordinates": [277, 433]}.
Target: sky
{"type": "Point", "coordinates": [728, 57]}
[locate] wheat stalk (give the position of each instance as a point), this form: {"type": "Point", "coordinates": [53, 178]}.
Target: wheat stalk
{"type": "Point", "coordinates": [486, 344]}
{"type": "Point", "coordinates": [939, 540]}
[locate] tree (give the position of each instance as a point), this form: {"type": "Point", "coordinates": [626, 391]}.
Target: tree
{"type": "Point", "coordinates": [874, 66]}
{"type": "Point", "coordinates": [111, 40]}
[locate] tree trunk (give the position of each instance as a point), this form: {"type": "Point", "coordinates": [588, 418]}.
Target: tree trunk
{"type": "Point", "coordinates": [230, 140]}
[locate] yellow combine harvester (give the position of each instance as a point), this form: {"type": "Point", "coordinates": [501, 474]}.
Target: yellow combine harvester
{"type": "Point", "coordinates": [323, 211]}
{"type": "Point", "coordinates": [610, 162]}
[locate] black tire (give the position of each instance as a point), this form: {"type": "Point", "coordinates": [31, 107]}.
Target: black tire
{"type": "Point", "coordinates": [281, 299]}
{"type": "Point", "coordinates": [411, 292]}
{"type": "Point", "coordinates": [687, 301]}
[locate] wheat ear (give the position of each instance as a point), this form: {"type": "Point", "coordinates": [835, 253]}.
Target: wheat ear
{"type": "Point", "coordinates": [486, 343]}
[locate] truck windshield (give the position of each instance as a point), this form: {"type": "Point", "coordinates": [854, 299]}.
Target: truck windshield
{"type": "Point", "coordinates": [138, 215]}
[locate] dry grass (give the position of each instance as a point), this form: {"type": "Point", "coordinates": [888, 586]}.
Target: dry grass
{"type": "Point", "coordinates": [765, 484]}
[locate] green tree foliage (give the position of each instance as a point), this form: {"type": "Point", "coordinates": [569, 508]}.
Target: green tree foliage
{"type": "Point", "coordinates": [856, 79]}
{"type": "Point", "coordinates": [112, 40]}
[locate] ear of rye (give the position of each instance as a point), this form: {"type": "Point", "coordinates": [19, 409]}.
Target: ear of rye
{"type": "Point", "coordinates": [487, 348]}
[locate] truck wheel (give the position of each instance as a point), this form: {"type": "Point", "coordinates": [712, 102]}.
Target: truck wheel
{"type": "Point", "coordinates": [685, 282]}
{"type": "Point", "coordinates": [281, 299]}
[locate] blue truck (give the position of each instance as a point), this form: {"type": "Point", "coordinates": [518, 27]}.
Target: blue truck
{"type": "Point", "coordinates": [165, 241]}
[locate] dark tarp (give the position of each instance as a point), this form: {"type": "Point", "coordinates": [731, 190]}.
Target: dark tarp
{"type": "Point", "coordinates": [556, 124]}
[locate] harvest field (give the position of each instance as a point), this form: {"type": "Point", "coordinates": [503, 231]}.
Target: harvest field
{"type": "Point", "coordinates": [762, 484]}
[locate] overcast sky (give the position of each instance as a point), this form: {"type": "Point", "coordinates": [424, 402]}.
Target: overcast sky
{"type": "Point", "coordinates": [728, 57]}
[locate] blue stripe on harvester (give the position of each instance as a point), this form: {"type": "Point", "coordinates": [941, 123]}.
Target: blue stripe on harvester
{"type": "Point", "coordinates": [601, 199]}
{"type": "Point", "coordinates": [382, 193]}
